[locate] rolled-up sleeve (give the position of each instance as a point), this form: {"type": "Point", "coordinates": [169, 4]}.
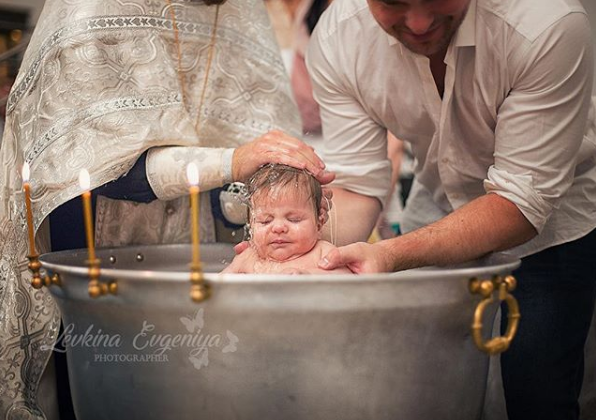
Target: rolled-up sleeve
{"type": "Point", "coordinates": [542, 122]}
{"type": "Point", "coordinates": [355, 146]}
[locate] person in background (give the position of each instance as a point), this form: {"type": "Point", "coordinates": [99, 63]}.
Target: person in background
{"type": "Point", "coordinates": [285, 222]}
{"type": "Point", "coordinates": [293, 22]}
{"type": "Point", "coordinates": [497, 101]}
{"type": "Point", "coordinates": [306, 16]}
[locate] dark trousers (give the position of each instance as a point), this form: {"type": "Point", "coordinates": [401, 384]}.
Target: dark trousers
{"type": "Point", "coordinates": [542, 371]}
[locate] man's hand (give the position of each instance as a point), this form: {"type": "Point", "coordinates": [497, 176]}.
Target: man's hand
{"type": "Point", "coordinates": [360, 257]}
{"type": "Point", "coordinates": [240, 247]}
{"type": "Point", "coordinates": [277, 147]}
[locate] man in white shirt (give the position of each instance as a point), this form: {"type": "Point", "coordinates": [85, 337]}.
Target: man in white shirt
{"type": "Point", "coordinates": [495, 99]}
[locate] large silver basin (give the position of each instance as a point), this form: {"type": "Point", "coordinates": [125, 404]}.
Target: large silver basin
{"type": "Point", "coordinates": [388, 346]}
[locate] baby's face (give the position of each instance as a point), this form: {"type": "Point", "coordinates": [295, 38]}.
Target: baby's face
{"type": "Point", "coordinates": [283, 225]}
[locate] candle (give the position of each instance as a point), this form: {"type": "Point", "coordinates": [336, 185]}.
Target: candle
{"type": "Point", "coordinates": [27, 189]}
{"type": "Point", "coordinates": [85, 183]}
{"type": "Point", "coordinates": [193, 177]}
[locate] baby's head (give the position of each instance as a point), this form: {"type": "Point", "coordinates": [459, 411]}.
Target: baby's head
{"type": "Point", "coordinates": [284, 207]}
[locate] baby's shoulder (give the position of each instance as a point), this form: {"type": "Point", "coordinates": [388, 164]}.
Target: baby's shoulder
{"type": "Point", "coordinates": [247, 255]}
{"type": "Point", "coordinates": [243, 262]}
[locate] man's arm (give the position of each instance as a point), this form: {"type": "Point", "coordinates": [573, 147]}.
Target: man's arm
{"type": "Point", "coordinates": [486, 224]}
{"type": "Point", "coordinates": [351, 218]}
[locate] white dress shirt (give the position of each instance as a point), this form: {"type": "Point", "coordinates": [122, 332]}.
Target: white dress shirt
{"type": "Point", "coordinates": [512, 120]}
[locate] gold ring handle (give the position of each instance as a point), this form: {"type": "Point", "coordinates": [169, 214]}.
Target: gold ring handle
{"type": "Point", "coordinates": [486, 288]}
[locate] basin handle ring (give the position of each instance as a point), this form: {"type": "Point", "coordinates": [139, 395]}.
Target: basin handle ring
{"type": "Point", "coordinates": [486, 288]}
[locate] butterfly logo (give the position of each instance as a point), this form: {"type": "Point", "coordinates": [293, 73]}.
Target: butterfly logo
{"type": "Point", "coordinates": [193, 324]}
{"type": "Point", "coordinates": [232, 340]}
{"type": "Point", "coordinates": [200, 359]}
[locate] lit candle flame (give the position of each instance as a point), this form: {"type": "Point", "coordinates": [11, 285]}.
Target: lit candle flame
{"type": "Point", "coordinates": [26, 172]}
{"type": "Point", "coordinates": [193, 174]}
{"type": "Point", "coordinates": [84, 180]}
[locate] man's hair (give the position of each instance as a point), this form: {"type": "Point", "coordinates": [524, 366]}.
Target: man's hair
{"type": "Point", "coordinates": [275, 175]}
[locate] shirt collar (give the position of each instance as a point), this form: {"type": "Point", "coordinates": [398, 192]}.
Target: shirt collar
{"type": "Point", "coordinates": [465, 35]}
{"type": "Point", "coordinates": [391, 40]}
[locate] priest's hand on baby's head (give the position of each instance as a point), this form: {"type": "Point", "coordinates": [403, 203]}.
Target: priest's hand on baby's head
{"type": "Point", "coordinates": [277, 147]}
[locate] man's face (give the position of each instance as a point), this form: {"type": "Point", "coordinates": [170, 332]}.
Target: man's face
{"type": "Point", "coordinates": [423, 26]}
{"type": "Point", "coordinates": [283, 224]}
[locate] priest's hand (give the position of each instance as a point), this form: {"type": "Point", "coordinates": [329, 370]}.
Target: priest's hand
{"type": "Point", "coordinates": [277, 147]}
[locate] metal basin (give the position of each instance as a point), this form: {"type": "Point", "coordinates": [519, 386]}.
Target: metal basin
{"type": "Point", "coordinates": [387, 346]}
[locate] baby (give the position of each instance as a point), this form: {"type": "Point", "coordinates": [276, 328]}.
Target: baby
{"type": "Point", "coordinates": [285, 224]}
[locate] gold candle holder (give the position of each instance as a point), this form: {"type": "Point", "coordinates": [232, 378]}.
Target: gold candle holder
{"type": "Point", "coordinates": [85, 182]}
{"type": "Point", "coordinates": [37, 281]}
{"type": "Point", "coordinates": [95, 288]}
{"type": "Point", "coordinates": [200, 290]}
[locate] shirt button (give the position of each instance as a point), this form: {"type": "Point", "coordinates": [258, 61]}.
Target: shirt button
{"type": "Point", "coordinates": [445, 160]}
{"type": "Point", "coordinates": [169, 210]}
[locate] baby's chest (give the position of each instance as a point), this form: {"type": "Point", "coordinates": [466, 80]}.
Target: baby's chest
{"type": "Point", "coordinates": [307, 261]}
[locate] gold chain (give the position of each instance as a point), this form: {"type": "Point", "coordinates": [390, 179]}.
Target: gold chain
{"type": "Point", "coordinates": [210, 53]}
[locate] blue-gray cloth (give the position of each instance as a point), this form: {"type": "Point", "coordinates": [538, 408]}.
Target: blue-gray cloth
{"type": "Point", "coordinates": [67, 227]}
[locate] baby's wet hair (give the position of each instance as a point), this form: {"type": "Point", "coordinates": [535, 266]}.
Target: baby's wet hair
{"type": "Point", "coordinates": [274, 175]}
